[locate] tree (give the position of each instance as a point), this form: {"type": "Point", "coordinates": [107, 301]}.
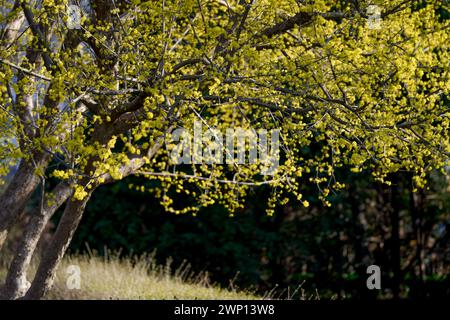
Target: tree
{"type": "Point", "coordinates": [90, 102]}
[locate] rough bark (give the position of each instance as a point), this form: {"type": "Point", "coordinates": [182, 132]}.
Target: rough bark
{"type": "Point", "coordinates": [24, 182]}
{"type": "Point", "coordinates": [55, 251]}
{"type": "Point", "coordinates": [17, 193]}
{"type": "Point", "coordinates": [16, 282]}
{"type": "Point", "coordinates": [12, 28]}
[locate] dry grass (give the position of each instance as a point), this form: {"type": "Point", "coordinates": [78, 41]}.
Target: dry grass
{"type": "Point", "coordinates": [135, 278]}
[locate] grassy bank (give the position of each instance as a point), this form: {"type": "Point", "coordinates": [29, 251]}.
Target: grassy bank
{"type": "Point", "coordinates": [133, 278]}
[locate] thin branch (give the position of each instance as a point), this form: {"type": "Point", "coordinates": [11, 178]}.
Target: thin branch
{"type": "Point", "coordinates": [26, 71]}
{"type": "Point", "coordinates": [188, 176]}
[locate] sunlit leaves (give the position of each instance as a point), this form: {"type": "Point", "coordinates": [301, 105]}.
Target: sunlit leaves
{"type": "Point", "coordinates": [341, 93]}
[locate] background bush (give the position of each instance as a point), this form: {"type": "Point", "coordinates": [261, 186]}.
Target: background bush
{"type": "Point", "coordinates": [322, 248]}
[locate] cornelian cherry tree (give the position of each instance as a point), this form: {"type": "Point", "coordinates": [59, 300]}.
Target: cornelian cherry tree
{"type": "Point", "coordinates": [92, 101]}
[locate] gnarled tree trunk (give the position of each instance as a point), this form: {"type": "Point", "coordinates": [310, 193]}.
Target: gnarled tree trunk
{"type": "Point", "coordinates": [17, 193]}
{"type": "Point", "coordinates": [55, 251]}
{"type": "Point", "coordinates": [16, 282]}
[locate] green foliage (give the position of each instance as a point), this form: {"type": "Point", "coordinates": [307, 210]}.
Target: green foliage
{"type": "Point", "coordinates": [326, 248]}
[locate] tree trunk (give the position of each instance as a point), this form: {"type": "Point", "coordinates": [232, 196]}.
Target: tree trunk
{"type": "Point", "coordinates": [361, 251]}
{"type": "Point", "coordinates": [17, 193]}
{"type": "Point", "coordinates": [13, 26]}
{"type": "Point", "coordinates": [55, 251]}
{"type": "Point", "coordinates": [16, 282]}
{"type": "Point", "coordinates": [395, 236]}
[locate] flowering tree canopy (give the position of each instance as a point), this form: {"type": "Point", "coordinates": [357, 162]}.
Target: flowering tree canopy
{"type": "Point", "coordinates": [93, 92]}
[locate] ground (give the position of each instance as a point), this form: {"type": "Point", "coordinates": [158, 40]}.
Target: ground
{"type": "Point", "coordinates": [132, 278]}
